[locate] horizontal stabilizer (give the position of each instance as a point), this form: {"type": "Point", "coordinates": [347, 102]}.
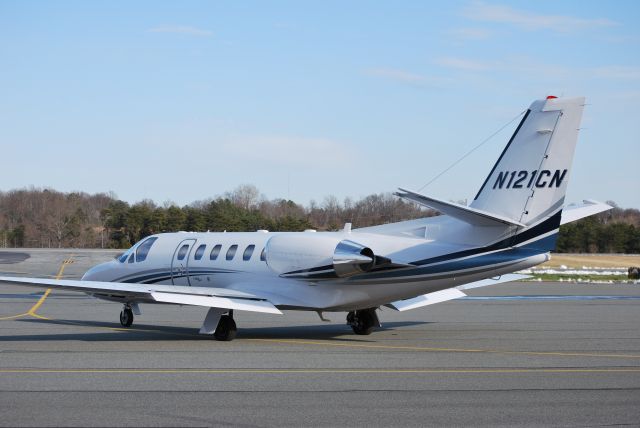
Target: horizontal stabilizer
{"type": "Point", "coordinates": [575, 212]}
{"type": "Point", "coordinates": [426, 299]}
{"type": "Point", "coordinates": [467, 214]}
{"type": "Point", "coordinates": [180, 295]}
{"type": "Point", "coordinates": [492, 281]}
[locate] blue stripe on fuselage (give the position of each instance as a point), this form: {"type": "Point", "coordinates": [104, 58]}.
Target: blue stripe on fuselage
{"type": "Point", "coordinates": [145, 278]}
{"type": "Point", "coordinates": [481, 260]}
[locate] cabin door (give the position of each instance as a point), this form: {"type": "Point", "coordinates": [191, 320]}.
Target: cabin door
{"type": "Point", "coordinates": [180, 262]}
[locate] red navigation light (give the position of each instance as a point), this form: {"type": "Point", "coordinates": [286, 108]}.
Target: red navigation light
{"type": "Point", "coordinates": [550, 97]}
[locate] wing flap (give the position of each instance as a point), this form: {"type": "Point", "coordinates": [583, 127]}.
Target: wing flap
{"type": "Point", "coordinates": [216, 302]}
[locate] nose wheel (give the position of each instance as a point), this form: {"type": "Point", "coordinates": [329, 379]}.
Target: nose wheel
{"type": "Point", "coordinates": [126, 316]}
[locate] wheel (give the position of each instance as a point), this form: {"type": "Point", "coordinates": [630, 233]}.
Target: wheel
{"type": "Point", "coordinates": [362, 322]}
{"type": "Point", "coordinates": [126, 317]}
{"type": "Point", "coordinates": [226, 329]}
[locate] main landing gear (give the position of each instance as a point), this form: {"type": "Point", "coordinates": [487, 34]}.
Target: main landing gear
{"type": "Point", "coordinates": [363, 321]}
{"type": "Point", "coordinates": [220, 324]}
{"type": "Point", "coordinates": [226, 329]}
{"type": "Point", "coordinates": [126, 316]}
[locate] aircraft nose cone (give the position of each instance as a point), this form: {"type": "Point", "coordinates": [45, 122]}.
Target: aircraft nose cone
{"type": "Point", "coordinates": [99, 272]}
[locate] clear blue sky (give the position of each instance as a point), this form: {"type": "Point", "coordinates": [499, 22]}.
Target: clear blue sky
{"type": "Point", "coordinates": [186, 100]}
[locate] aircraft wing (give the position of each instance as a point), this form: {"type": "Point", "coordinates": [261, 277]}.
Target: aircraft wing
{"type": "Point", "coordinates": [450, 293]}
{"type": "Point", "coordinates": [180, 295]}
{"type": "Point", "coordinates": [426, 299]}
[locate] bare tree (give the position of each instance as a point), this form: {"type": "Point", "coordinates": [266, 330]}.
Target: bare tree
{"type": "Point", "coordinates": [245, 196]}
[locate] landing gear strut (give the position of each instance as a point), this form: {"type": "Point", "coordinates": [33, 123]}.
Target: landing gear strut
{"type": "Point", "coordinates": [126, 316]}
{"type": "Point", "coordinates": [363, 321]}
{"type": "Point", "coordinates": [226, 329]}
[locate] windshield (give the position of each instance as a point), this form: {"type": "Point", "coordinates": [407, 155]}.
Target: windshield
{"type": "Point", "coordinates": [143, 249]}
{"type": "Point", "coordinates": [125, 255]}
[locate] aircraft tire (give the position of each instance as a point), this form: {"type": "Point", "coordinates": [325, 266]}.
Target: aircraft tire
{"type": "Point", "coordinates": [362, 322]}
{"type": "Point", "coordinates": [126, 317]}
{"type": "Point", "coordinates": [226, 329]}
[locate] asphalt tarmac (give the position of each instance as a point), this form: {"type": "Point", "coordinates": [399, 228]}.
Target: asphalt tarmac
{"type": "Point", "coordinates": [520, 354]}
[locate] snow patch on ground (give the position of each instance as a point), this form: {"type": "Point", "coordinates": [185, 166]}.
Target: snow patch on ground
{"type": "Point", "coordinates": [588, 271]}
{"type": "Point", "coordinates": [584, 271]}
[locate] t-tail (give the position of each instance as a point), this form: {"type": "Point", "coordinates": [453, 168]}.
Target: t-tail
{"type": "Point", "coordinates": [529, 181]}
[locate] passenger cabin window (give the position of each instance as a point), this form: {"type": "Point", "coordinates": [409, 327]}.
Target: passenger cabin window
{"type": "Point", "coordinates": [263, 255]}
{"type": "Point", "coordinates": [215, 252]}
{"type": "Point", "coordinates": [143, 249]}
{"type": "Point", "coordinates": [231, 252]}
{"type": "Point", "coordinates": [183, 251]}
{"type": "Point", "coordinates": [248, 252]}
{"type": "Point", "coordinates": [132, 258]}
{"type": "Point", "coordinates": [199, 252]}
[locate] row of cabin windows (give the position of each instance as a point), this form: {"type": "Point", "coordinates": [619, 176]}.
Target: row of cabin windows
{"type": "Point", "coordinates": [215, 252]}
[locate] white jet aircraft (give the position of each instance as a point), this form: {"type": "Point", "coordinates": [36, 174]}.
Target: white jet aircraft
{"type": "Point", "coordinates": [511, 224]}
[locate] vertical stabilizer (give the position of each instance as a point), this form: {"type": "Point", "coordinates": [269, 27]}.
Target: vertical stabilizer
{"type": "Point", "coordinates": [529, 180]}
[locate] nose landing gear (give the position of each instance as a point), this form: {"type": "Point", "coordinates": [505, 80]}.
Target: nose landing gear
{"type": "Point", "coordinates": [363, 321]}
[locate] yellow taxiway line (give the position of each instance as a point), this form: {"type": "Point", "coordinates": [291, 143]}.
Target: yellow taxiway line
{"type": "Point", "coordinates": [34, 308]}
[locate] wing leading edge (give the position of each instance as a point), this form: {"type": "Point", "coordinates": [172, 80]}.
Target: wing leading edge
{"type": "Point", "coordinates": [174, 294]}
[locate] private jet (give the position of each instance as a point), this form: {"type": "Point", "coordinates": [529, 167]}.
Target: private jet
{"type": "Point", "coordinates": [511, 224]}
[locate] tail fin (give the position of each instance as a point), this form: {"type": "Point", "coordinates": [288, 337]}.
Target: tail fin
{"type": "Point", "coordinates": [529, 181]}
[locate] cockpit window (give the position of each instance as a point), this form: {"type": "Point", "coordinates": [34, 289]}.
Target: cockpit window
{"type": "Point", "coordinates": [199, 252]}
{"type": "Point", "coordinates": [248, 252]}
{"type": "Point", "coordinates": [132, 258]}
{"type": "Point", "coordinates": [123, 257]}
{"type": "Point", "coordinates": [183, 251]}
{"type": "Point", "coordinates": [263, 255]}
{"type": "Point", "coordinates": [215, 251]}
{"type": "Point", "coordinates": [231, 252]}
{"type": "Point", "coordinates": [143, 249]}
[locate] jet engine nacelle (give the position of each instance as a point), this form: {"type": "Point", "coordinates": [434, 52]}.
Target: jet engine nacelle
{"type": "Point", "coordinates": [306, 254]}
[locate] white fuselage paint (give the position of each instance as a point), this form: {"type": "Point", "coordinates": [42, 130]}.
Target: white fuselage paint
{"type": "Point", "coordinates": [254, 275]}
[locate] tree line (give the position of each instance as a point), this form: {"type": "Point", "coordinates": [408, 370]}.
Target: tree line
{"type": "Point", "coordinates": [48, 218]}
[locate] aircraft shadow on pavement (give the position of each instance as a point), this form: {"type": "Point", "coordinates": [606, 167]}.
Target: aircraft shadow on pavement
{"type": "Point", "coordinates": [149, 332]}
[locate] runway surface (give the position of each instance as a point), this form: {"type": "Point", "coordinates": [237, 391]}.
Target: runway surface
{"type": "Point", "coordinates": [522, 354]}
